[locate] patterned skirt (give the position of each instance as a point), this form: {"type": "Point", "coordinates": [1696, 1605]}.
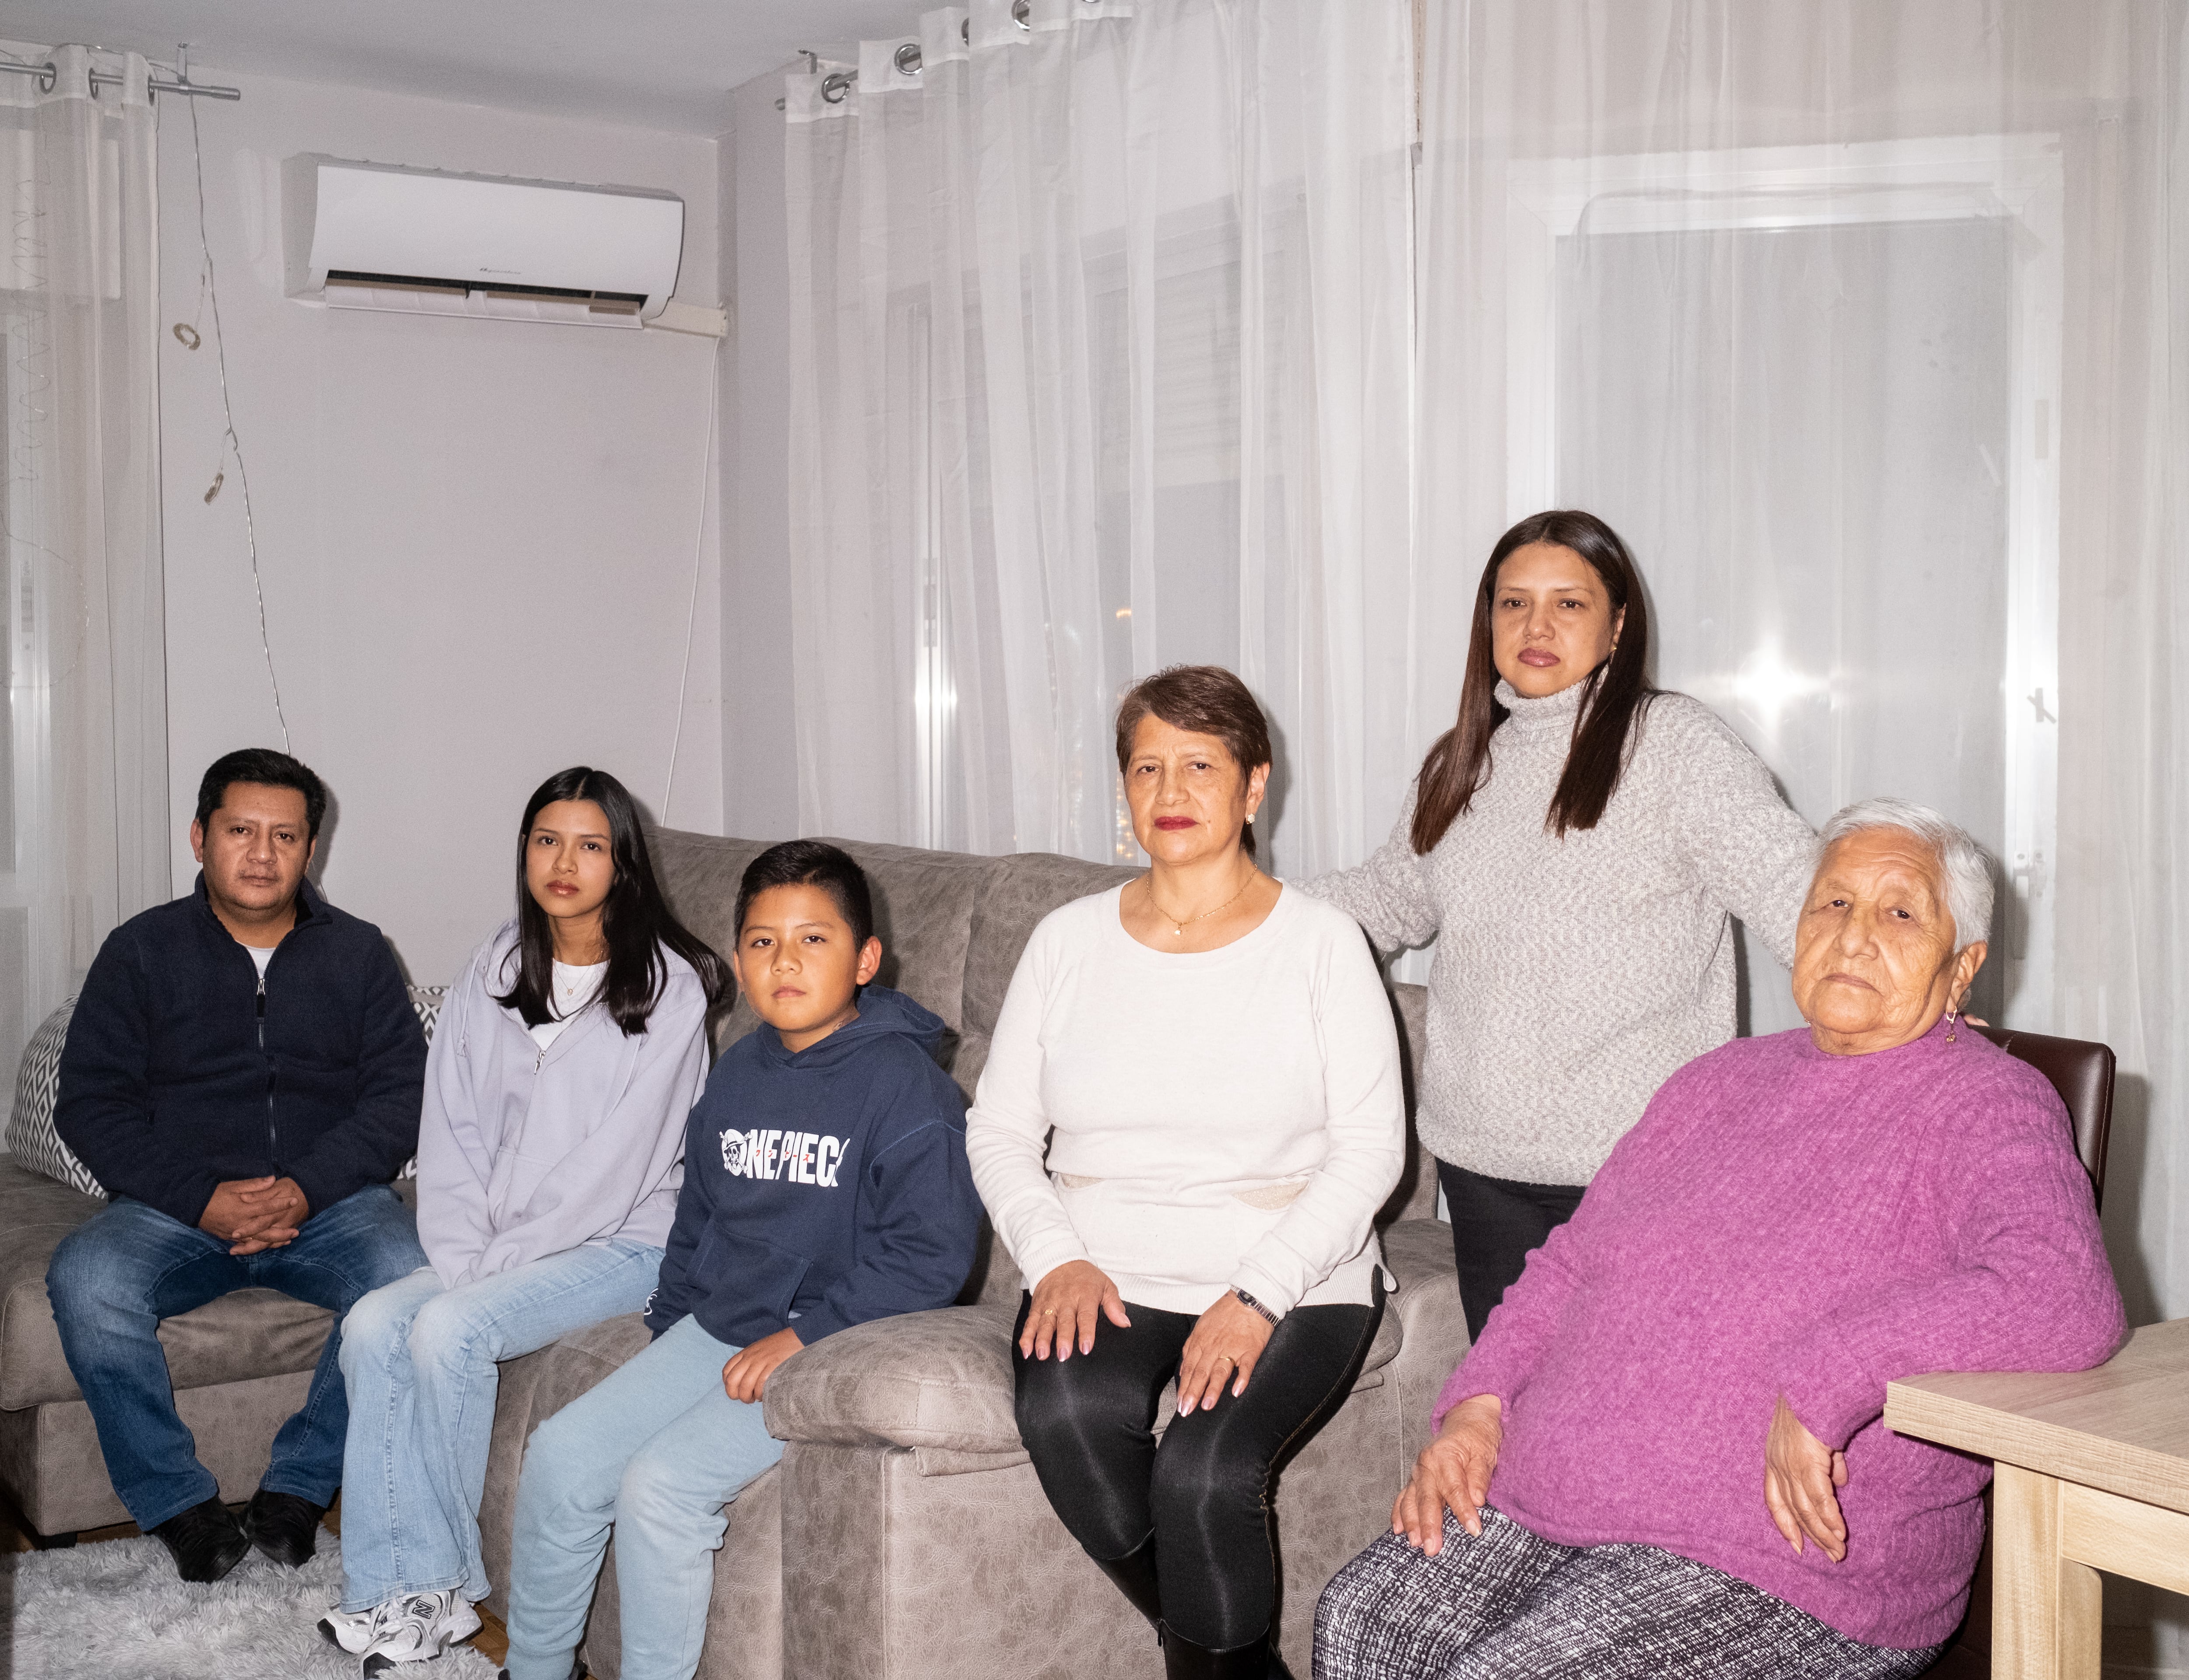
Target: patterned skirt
{"type": "Point", "coordinates": [1514, 1606]}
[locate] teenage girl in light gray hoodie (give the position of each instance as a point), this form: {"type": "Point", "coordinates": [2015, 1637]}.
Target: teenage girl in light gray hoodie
{"type": "Point", "coordinates": [568, 1053]}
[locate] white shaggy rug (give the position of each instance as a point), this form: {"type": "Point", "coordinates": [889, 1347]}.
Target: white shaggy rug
{"type": "Point", "coordinates": [115, 1609]}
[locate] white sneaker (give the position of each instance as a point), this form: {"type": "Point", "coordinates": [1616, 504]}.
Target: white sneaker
{"type": "Point", "coordinates": [461, 1622]}
{"type": "Point", "coordinates": [418, 1628]}
{"type": "Point", "coordinates": [351, 1630]}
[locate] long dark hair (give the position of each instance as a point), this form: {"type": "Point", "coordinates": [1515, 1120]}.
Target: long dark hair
{"type": "Point", "coordinates": [636, 920]}
{"type": "Point", "coordinates": [1614, 692]}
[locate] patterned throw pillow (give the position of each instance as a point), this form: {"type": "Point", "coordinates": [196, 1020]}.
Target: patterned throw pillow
{"type": "Point", "coordinates": [427, 1000]}
{"type": "Point", "coordinates": [31, 1138]}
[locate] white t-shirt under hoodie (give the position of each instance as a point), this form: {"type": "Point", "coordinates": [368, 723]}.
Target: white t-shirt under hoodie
{"type": "Point", "coordinates": [1229, 1118]}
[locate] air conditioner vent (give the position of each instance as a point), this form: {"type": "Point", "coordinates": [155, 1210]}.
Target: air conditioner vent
{"type": "Point", "coordinates": [372, 236]}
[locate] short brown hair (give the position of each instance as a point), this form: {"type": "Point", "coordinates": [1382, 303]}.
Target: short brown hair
{"type": "Point", "coordinates": [1204, 700]}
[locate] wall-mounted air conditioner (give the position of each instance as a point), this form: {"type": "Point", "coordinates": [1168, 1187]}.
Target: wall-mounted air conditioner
{"type": "Point", "coordinates": [423, 241]}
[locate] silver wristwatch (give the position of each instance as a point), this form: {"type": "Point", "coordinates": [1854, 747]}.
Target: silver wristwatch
{"type": "Point", "coordinates": [1249, 1300]}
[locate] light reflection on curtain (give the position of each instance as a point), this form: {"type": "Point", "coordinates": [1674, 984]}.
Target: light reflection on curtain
{"type": "Point", "coordinates": [1099, 362]}
{"type": "Point", "coordinates": [83, 840]}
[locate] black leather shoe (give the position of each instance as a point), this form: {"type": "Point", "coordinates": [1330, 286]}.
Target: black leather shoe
{"type": "Point", "coordinates": [1134, 1575]}
{"type": "Point", "coordinates": [577, 1671]}
{"type": "Point", "coordinates": [283, 1527]}
{"type": "Point", "coordinates": [206, 1540]}
{"type": "Point", "coordinates": [1256, 1659]}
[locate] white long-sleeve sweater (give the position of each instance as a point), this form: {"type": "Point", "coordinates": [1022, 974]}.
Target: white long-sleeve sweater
{"type": "Point", "coordinates": [1228, 1118]}
{"type": "Point", "coordinates": [1572, 976]}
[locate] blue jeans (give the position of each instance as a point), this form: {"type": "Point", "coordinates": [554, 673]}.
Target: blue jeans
{"type": "Point", "coordinates": [657, 1450]}
{"type": "Point", "coordinates": [119, 1273]}
{"type": "Point", "coordinates": [420, 1360]}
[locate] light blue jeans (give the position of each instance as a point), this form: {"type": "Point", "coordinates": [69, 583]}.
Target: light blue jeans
{"type": "Point", "coordinates": [419, 1359]}
{"type": "Point", "coordinates": [657, 1450]}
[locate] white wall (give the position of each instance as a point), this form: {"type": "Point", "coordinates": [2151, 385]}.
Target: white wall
{"type": "Point", "coordinates": [477, 538]}
{"type": "Point", "coordinates": [760, 771]}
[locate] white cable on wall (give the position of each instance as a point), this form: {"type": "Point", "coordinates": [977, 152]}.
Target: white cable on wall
{"type": "Point", "coordinates": [699, 549]}
{"type": "Point", "coordinates": [209, 287]}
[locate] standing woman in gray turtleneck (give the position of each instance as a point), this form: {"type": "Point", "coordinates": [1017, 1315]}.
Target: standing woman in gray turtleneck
{"type": "Point", "coordinates": [1575, 844]}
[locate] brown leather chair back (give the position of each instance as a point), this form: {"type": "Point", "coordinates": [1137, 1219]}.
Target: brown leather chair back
{"type": "Point", "coordinates": [2082, 1071]}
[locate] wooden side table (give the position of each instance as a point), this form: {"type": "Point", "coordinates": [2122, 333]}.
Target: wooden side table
{"type": "Point", "coordinates": [2092, 1473]}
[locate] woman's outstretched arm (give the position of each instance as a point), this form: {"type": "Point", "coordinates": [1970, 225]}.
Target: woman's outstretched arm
{"type": "Point", "coordinates": [1389, 895]}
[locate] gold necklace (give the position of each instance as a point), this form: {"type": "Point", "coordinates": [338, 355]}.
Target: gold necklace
{"type": "Point", "coordinates": [1179, 927]}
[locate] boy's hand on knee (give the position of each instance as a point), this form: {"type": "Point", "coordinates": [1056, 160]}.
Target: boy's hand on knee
{"type": "Point", "coordinates": [745, 1376]}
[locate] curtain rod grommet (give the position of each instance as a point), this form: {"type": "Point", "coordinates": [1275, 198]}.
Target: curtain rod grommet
{"type": "Point", "coordinates": [837, 87]}
{"type": "Point", "coordinates": [907, 59]}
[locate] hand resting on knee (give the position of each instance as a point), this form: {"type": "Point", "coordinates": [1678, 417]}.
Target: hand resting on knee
{"type": "Point", "coordinates": [1453, 1470]}
{"type": "Point", "coordinates": [1068, 1303]}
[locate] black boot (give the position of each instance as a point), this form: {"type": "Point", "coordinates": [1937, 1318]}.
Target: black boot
{"type": "Point", "coordinates": [1134, 1575]}
{"type": "Point", "coordinates": [285, 1527]}
{"type": "Point", "coordinates": [1256, 1659]}
{"type": "Point", "coordinates": [206, 1540]}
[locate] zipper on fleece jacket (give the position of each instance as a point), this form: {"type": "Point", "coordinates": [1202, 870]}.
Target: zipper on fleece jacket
{"type": "Point", "coordinates": [273, 1144]}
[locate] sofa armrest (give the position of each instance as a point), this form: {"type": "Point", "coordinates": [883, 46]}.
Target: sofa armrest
{"type": "Point", "coordinates": [1431, 1324]}
{"type": "Point", "coordinates": [939, 1380]}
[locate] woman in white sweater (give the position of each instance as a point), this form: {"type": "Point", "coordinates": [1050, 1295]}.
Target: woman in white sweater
{"type": "Point", "coordinates": [1575, 844]}
{"type": "Point", "coordinates": [1210, 1061]}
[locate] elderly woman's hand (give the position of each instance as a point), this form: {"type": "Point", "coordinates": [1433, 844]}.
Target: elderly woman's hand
{"type": "Point", "coordinates": [1068, 1303]}
{"type": "Point", "coordinates": [1800, 1473]}
{"type": "Point", "coordinates": [1453, 1470]}
{"type": "Point", "coordinates": [1226, 1342]}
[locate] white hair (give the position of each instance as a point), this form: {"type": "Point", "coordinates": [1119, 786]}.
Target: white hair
{"type": "Point", "coordinates": [1961, 861]}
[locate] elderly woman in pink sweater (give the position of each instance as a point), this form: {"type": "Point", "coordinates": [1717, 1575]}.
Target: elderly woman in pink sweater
{"type": "Point", "coordinates": [1666, 1455]}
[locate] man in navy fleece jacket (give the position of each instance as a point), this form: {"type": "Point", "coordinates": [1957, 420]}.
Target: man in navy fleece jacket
{"type": "Point", "coordinates": [243, 1074]}
{"type": "Point", "coordinates": [825, 1184]}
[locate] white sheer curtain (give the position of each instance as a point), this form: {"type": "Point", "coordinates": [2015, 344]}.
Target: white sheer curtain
{"type": "Point", "coordinates": [1100, 362]}
{"type": "Point", "coordinates": [83, 792]}
{"type": "Point", "coordinates": [1863, 321]}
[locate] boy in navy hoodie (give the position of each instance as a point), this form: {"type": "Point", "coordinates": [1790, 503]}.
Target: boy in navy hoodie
{"type": "Point", "coordinates": [825, 1184]}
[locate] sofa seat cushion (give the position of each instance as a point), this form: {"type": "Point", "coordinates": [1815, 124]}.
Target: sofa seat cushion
{"type": "Point", "coordinates": [937, 1381]}
{"type": "Point", "coordinates": [254, 1332]}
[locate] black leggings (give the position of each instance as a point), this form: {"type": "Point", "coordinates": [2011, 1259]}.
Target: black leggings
{"type": "Point", "coordinates": [1088, 1424]}
{"type": "Point", "coordinates": [1495, 1224]}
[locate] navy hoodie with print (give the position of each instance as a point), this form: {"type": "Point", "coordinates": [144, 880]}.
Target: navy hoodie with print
{"type": "Point", "coordinates": [830, 1184]}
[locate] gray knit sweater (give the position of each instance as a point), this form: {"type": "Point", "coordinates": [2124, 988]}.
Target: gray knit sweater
{"type": "Point", "coordinates": [1572, 975]}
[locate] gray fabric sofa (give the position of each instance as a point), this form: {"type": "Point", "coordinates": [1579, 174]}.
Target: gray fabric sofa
{"type": "Point", "coordinates": [904, 1535]}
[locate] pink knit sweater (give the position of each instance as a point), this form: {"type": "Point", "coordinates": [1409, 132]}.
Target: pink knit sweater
{"type": "Point", "coordinates": [1784, 1221]}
